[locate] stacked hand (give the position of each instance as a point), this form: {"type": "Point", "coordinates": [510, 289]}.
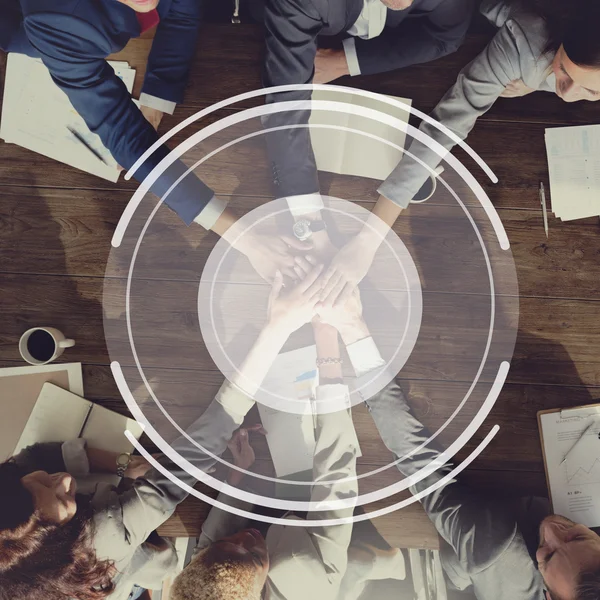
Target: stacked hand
{"type": "Point", "coordinates": [291, 308]}
{"type": "Point", "coordinates": [271, 253]}
{"type": "Point", "coordinates": [242, 452]}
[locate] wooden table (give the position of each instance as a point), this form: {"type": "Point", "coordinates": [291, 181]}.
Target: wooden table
{"type": "Point", "coordinates": [56, 225]}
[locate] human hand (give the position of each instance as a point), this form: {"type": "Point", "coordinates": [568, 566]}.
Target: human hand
{"type": "Point", "coordinates": [346, 270]}
{"type": "Point", "coordinates": [242, 452]}
{"type": "Point", "coordinates": [290, 309]}
{"type": "Point", "coordinates": [152, 115]}
{"type": "Point", "coordinates": [343, 316]}
{"type": "Point", "coordinates": [271, 253]}
{"type": "Point", "coordinates": [329, 65]}
{"type": "Point", "coordinates": [138, 466]}
{"type": "Point", "coordinates": [516, 89]}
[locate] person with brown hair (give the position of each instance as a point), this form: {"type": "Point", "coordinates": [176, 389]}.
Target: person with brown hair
{"type": "Point", "coordinates": [57, 545]}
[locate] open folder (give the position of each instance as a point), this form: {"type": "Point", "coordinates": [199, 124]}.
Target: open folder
{"type": "Point", "coordinates": [571, 446]}
{"type": "Point", "coordinates": [38, 115]}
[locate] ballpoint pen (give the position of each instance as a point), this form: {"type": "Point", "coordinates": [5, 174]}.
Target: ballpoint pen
{"type": "Point", "coordinates": [542, 194]}
{"type": "Point", "coordinates": [82, 140]}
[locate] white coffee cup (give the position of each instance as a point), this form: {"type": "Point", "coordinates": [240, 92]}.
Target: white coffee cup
{"type": "Point", "coordinates": [54, 344]}
{"type": "Point", "coordinates": [432, 182]}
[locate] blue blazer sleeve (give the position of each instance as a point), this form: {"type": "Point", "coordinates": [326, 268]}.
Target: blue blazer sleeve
{"type": "Point", "coordinates": [416, 40]}
{"type": "Point", "coordinates": [173, 50]}
{"type": "Point", "coordinates": [74, 52]}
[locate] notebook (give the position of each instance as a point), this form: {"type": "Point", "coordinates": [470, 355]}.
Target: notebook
{"type": "Point", "coordinates": [38, 115]}
{"type": "Point", "coordinates": [20, 388]}
{"type": "Point", "coordinates": [574, 168]}
{"type": "Point", "coordinates": [571, 446]}
{"type": "Point", "coordinates": [59, 415]}
{"type": "Point", "coordinates": [340, 151]}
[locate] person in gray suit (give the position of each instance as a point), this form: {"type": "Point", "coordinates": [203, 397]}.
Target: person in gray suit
{"type": "Point", "coordinates": [498, 549]}
{"type": "Point", "coordinates": [541, 46]}
{"type": "Point", "coordinates": [56, 544]}
{"type": "Point", "coordinates": [381, 35]}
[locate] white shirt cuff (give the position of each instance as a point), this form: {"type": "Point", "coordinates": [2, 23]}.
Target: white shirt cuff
{"type": "Point", "coordinates": [75, 458]}
{"type": "Point", "coordinates": [332, 397]}
{"type": "Point", "coordinates": [211, 212]}
{"type": "Point", "coordinates": [165, 106]}
{"type": "Point", "coordinates": [351, 56]}
{"type": "Point", "coordinates": [234, 401]}
{"type": "Point", "coordinates": [364, 356]}
{"type": "Point", "coordinates": [305, 204]}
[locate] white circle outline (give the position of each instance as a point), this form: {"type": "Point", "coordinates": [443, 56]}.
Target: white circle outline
{"type": "Point", "coordinates": [444, 182]}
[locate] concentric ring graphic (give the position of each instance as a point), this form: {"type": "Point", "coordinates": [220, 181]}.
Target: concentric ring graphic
{"type": "Point", "coordinates": [137, 237]}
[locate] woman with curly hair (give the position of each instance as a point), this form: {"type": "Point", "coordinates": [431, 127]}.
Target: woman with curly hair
{"type": "Point", "coordinates": [58, 545]}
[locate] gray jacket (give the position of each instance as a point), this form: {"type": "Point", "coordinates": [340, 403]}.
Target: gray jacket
{"type": "Point", "coordinates": [123, 521]}
{"type": "Point", "coordinates": [487, 544]}
{"type": "Point", "coordinates": [515, 53]}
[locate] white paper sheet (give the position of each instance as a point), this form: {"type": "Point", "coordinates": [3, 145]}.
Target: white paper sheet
{"type": "Point", "coordinates": [291, 437]}
{"type": "Point", "coordinates": [575, 482]}
{"type": "Point", "coordinates": [574, 168]}
{"type": "Point", "coordinates": [343, 152]}
{"type": "Point", "coordinates": [37, 115]}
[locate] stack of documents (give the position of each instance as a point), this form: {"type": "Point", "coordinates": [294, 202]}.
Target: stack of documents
{"type": "Point", "coordinates": [37, 115]}
{"type": "Point", "coordinates": [574, 166]}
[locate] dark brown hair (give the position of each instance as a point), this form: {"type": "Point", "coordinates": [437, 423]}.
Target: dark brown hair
{"type": "Point", "coordinates": [574, 24]}
{"type": "Point", "coordinates": [588, 587]}
{"type": "Point", "coordinates": [45, 561]}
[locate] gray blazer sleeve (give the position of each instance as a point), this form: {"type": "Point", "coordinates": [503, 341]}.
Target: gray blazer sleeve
{"type": "Point", "coordinates": [55, 457]}
{"type": "Point", "coordinates": [416, 40]}
{"type": "Point", "coordinates": [319, 554]}
{"type": "Point", "coordinates": [486, 543]}
{"type": "Point", "coordinates": [511, 55]}
{"type": "Point", "coordinates": [153, 498]}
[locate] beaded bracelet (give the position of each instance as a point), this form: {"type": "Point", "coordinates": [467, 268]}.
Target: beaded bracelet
{"type": "Point", "coordinates": [329, 361]}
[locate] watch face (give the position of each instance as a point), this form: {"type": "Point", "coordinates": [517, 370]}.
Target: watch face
{"type": "Point", "coordinates": [302, 229]}
{"type": "Point", "coordinates": [123, 460]}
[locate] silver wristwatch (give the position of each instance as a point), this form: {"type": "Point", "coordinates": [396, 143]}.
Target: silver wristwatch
{"type": "Point", "coordinates": [304, 228]}
{"type": "Point", "coordinates": [123, 461]}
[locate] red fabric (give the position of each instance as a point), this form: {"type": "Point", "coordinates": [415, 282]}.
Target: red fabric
{"type": "Point", "coordinates": [147, 20]}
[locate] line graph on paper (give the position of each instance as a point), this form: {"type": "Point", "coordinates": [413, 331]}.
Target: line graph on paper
{"type": "Point", "coordinates": [583, 474]}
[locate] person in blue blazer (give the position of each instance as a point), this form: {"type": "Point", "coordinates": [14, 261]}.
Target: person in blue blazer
{"type": "Point", "coordinates": [73, 39]}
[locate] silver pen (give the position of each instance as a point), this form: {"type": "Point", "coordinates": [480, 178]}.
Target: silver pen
{"type": "Point", "coordinates": [542, 194]}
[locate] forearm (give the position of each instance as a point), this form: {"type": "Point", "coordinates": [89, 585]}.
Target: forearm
{"type": "Point", "coordinates": [255, 367]}
{"type": "Point", "coordinates": [416, 41]}
{"type": "Point", "coordinates": [328, 353]}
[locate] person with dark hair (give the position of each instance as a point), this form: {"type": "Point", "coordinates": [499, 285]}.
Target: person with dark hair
{"type": "Point", "coordinates": [56, 545]}
{"type": "Point", "coordinates": [498, 549]}
{"type": "Point", "coordinates": [555, 50]}
{"type": "Point", "coordinates": [380, 36]}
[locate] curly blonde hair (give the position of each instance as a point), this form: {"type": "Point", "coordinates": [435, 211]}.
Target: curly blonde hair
{"type": "Point", "coordinates": [206, 579]}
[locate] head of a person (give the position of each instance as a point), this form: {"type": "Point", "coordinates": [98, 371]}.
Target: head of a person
{"type": "Point", "coordinates": [141, 6]}
{"type": "Point", "coordinates": [577, 60]}
{"type": "Point", "coordinates": [233, 568]}
{"type": "Point", "coordinates": [574, 41]}
{"type": "Point", "coordinates": [397, 4]}
{"type": "Point", "coordinates": [569, 559]}
{"type": "Point", "coordinates": [45, 539]}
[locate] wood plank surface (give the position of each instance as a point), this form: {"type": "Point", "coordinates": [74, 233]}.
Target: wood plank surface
{"type": "Point", "coordinates": [56, 225]}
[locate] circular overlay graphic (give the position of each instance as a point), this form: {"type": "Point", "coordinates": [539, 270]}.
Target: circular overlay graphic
{"type": "Point", "coordinates": [185, 310]}
{"type": "Point", "coordinates": [229, 301]}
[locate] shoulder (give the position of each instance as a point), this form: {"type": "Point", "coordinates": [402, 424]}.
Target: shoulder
{"type": "Point", "coordinates": [81, 30]}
